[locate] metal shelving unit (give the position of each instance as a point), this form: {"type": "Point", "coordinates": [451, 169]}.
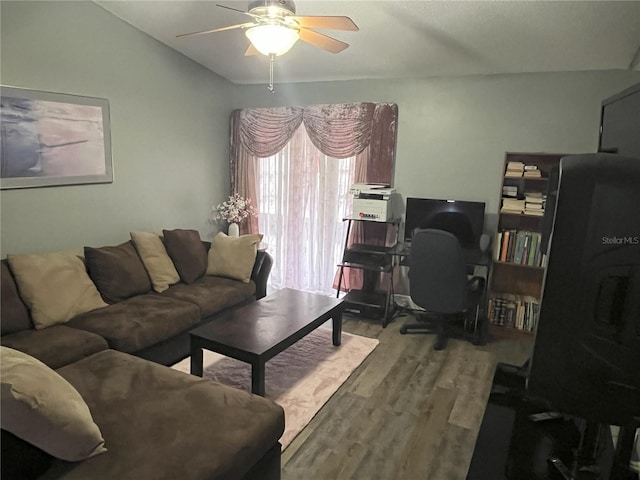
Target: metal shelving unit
{"type": "Point", "coordinates": [373, 260]}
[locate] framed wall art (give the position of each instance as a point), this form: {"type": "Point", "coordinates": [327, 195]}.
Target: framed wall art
{"type": "Point", "coordinates": [53, 139]}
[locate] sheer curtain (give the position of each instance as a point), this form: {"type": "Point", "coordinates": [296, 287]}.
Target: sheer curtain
{"type": "Point", "coordinates": [303, 197]}
{"type": "Point", "coordinates": [297, 164]}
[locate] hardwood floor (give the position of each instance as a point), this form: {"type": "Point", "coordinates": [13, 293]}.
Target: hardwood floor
{"type": "Point", "coordinates": [408, 412]}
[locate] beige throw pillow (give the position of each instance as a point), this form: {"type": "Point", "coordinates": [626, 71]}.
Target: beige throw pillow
{"type": "Point", "coordinates": [43, 409]}
{"type": "Point", "coordinates": [233, 257]}
{"type": "Point", "coordinates": [156, 260]}
{"type": "Point", "coordinates": [55, 287]}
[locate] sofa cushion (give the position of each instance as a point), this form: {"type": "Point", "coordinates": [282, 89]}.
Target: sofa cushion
{"type": "Point", "coordinates": [117, 271]}
{"type": "Point", "coordinates": [56, 346]}
{"type": "Point", "coordinates": [187, 252]}
{"type": "Point", "coordinates": [14, 313]}
{"type": "Point", "coordinates": [161, 423]}
{"type": "Point", "coordinates": [42, 408]}
{"type": "Point", "coordinates": [212, 294]}
{"type": "Point", "coordinates": [233, 257]}
{"type": "Point", "coordinates": [54, 286]}
{"type": "Point", "coordinates": [138, 322]}
{"type": "Point", "coordinates": [156, 260]}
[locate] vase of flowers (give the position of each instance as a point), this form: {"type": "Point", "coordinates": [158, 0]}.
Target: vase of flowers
{"type": "Point", "coordinates": [233, 211]}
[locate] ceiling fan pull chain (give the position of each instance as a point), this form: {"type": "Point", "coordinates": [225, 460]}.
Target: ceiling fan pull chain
{"type": "Point", "coordinates": [272, 61]}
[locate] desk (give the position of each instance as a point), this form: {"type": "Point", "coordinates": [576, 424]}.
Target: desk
{"type": "Point", "coordinates": [473, 258]}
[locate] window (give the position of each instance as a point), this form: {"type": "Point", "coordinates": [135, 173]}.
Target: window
{"type": "Point", "coordinates": [303, 197]}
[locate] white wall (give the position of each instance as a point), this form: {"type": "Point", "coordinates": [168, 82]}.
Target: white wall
{"type": "Point", "coordinates": [453, 132]}
{"type": "Point", "coordinates": [169, 122]}
{"type": "Point", "coordinates": [169, 128]}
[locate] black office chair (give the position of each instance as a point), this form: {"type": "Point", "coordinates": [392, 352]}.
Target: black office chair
{"type": "Point", "coordinates": [438, 282]}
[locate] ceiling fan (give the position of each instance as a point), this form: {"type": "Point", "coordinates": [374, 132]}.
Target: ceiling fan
{"type": "Point", "coordinates": [275, 28]}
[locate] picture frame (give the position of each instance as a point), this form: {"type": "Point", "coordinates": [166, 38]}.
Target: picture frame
{"type": "Point", "coordinates": [53, 139]}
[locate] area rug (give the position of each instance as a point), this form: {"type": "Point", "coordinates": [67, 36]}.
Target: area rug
{"type": "Point", "coordinates": [301, 379]}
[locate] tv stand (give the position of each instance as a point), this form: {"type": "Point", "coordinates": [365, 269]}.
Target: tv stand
{"type": "Point", "coordinates": [585, 466]}
{"type": "Point", "coordinates": [510, 380]}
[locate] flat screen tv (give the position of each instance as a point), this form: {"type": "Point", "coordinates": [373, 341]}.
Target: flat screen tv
{"type": "Point", "coordinates": [620, 123]}
{"type": "Point", "coordinates": [462, 218]}
{"type": "Point", "coordinates": [586, 358]}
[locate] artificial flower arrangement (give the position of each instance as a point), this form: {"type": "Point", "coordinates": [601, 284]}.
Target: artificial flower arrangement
{"type": "Point", "coordinates": [234, 210]}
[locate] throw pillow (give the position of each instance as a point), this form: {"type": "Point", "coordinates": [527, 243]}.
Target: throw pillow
{"type": "Point", "coordinates": [233, 257]}
{"type": "Point", "coordinates": [156, 260]}
{"type": "Point", "coordinates": [187, 252]}
{"type": "Point", "coordinates": [117, 271]}
{"type": "Point", "coordinates": [54, 286]}
{"type": "Point", "coordinates": [43, 409]}
{"type": "Point", "coordinates": [13, 312]}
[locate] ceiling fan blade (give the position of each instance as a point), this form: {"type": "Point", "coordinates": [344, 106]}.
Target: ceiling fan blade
{"type": "Point", "coordinates": [332, 23]}
{"type": "Point", "coordinates": [236, 10]}
{"type": "Point", "coordinates": [251, 50]}
{"type": "Point", "coordinates": [231, 27]}
{"type": "Point", "coordinates": [323, 41]}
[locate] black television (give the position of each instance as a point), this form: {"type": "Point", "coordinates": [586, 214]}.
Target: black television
{"type": "Point", "coordinates": [464, 219]}
{"type": "Point", "coordinates": [586, 356]}
{"type": "Point", "coordinates": [620, 123]}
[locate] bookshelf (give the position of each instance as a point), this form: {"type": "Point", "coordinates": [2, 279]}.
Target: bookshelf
{"type": "Point", "coordinates": [516, 279]}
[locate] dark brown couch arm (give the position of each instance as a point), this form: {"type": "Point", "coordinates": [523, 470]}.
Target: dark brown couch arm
{"type": "Point", "coordinates": [260, 273]}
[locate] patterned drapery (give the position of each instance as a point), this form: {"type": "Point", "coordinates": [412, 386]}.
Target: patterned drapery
{"type": "Point", "coordinates": [365, 130]}
{"type": "Point", "coordinates": [337, 130]}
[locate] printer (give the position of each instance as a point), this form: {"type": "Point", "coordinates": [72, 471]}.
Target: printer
{"type": "Point", "coordinates": [372, 201]}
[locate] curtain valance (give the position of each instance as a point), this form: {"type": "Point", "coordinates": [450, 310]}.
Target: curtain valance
{"type": "Point", "coordinates": [265, 131]}
{"type": "Point", "coordinates": [337, 130]}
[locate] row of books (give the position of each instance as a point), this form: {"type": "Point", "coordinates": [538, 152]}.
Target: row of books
{"type": "Point", "coordinates": [534, 203]}
{"type": "Point", "coordinates": [531, 204]}
{"type": "Point", "coordinates": [512, 205]}
{"type": "Point", "coordinates": [516, 311]}
{"type": "Point", "coordinates": [519, 169]}
{"type": "Point", "coordinates": [519, 246]}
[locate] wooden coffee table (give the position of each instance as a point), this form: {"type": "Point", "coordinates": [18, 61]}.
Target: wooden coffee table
{"type": "Point", "coordinates": [259, 331]}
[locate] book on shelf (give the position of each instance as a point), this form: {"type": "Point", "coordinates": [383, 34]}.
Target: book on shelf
{"type": "Point", "coordinates": [534, 249]}
{"type": "Point", "coordinates": [530, 167]}
{"type": "Point", "coordinates": [521, 247]}
{"type": "Point", "coordinates": [534, 203]}
{"type": "Point", "coordinates": [515, 165]}
{"type": "Point", "coordinates": [505, 234]}
{"type": "Point", "coordinates": [520, 312]}
{"type": "Point", "coordinates": [537, 213]}
{"type": "Point", "coordinates": [511, 211]}
{"type": "Point", "coordinates": [533, 206]}
{"type": "Point", "coordinates": [513, 239]}
{"type": "Point", "coordinates": [512, 205]}
{"type": "Point", "coordinates": [532, 174]}
{"type": "Point", "coordinates": [534, 197]}
{"type": "Point", "coordinates": [510, 191]}
{"type": "Point", "coordinates": [497, 246]}
{"type": "Point", "coordinates": [514, 169]}
{"type": "Point", "coordinates": [510, 309]}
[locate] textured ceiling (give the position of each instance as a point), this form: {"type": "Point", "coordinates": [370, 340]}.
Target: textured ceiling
{"type": "Point", "coordinates": [402, 39]}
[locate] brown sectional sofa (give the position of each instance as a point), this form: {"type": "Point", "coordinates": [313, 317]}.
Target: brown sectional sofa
{"type": "Point", "coordinates": [156, 422]}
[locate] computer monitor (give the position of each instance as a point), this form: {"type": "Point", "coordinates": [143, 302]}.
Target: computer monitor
{"type": "Point", "coordinates": [464, 219]}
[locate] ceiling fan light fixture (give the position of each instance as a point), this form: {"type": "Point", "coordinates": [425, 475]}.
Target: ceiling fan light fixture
{"type": "Point", "coordinates": [272, 39]}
